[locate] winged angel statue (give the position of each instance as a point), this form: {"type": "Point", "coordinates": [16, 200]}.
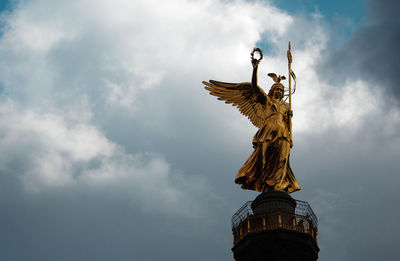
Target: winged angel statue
{"type": "Point", "coordinates": [268, 167]}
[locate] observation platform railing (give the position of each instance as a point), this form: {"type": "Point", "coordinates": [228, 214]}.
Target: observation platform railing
{"type": "Point", "coordinates": [303, 220]}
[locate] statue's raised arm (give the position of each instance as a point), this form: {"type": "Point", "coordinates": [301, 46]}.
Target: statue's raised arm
{"type": "Point", "coordinates": [248, 97]}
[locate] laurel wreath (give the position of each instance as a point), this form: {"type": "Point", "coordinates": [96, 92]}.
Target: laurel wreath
{"type": "Point", "coordinates": [259, 51]}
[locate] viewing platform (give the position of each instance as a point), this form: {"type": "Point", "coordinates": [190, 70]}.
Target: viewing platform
{"type": "Point", "coordinates": [266, 214]}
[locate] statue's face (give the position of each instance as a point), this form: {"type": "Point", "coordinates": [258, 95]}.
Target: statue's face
{"type": "Point", "coordinates": [278, 93]}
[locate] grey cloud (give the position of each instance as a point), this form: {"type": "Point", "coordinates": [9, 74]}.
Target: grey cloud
{"type": "Point", "coordinates": [371, 53]}
{"type": "Point", "coordinates": [84, 224]}
{"type": "Point", "coordinates": [351, 186]}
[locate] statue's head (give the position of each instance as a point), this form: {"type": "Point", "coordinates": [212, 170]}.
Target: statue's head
{"type": "Point", "coordinates": [277, 91]}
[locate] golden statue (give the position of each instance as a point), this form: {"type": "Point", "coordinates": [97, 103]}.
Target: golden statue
{"type": "Point", "coordinates": [268, 167]}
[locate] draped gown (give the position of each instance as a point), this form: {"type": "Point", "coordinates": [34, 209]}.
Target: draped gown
{"type": "Point", "coordinates": [268, 167]}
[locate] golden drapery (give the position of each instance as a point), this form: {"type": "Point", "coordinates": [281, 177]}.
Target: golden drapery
{"type": "Point", "coordinates": [268, 167]}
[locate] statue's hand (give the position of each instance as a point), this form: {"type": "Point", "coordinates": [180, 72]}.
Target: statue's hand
{"type": "Point", "coordinates": [255, 63]}
{"type": "Point", "coordinates": [290, 113]}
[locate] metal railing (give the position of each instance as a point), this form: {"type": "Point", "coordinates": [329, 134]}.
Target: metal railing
{"type": "Point", "coordinates": [303, 220]}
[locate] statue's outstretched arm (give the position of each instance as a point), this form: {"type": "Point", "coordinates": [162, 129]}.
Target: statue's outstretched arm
{"type": "Point", "coordinates": [255, 63]}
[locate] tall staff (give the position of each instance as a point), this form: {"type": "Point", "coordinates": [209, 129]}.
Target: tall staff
{"type": "Point", "coordinates": [289, 56]}
{"type": "Point", "coordinates": [290, 114]}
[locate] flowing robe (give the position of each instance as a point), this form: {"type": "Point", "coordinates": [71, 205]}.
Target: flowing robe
{"type": "Point", "coordinates": [268, 167]}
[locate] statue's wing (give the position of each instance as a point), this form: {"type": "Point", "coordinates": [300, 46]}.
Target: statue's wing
{"type": "Point", "coordinates": [249, 100]}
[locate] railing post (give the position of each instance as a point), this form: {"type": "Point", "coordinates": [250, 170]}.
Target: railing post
{"type": "Point", "coordinates": [264, 223]}
{"type": "Point", "coordinates": [294, 222]}
{"type": "Point", "coordinates": [279, 219]}
{"type": "Point", "coordinates": [248, 225]}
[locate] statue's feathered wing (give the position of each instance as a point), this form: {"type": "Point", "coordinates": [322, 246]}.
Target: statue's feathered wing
{"type": "Point", "coordinates": [250, 101]}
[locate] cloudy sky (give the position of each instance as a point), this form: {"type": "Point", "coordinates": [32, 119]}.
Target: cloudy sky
{"type": "Point", "coordinates": [110, 148]}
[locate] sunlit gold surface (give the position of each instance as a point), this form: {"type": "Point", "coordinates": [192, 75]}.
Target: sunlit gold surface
{"type": "Point", "coordinates": [268, 167]}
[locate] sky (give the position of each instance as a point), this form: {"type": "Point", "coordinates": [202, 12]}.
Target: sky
{"type": "Point", "coordinates": [110, 148]}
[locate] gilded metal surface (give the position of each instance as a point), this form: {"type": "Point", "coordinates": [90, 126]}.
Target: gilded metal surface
{"type": "Point", "coordinates": [268, 167]}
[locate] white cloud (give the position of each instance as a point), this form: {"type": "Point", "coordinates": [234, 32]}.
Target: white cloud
{"type": "Point", "coordinates": [128, 45]}
{"type": "Point", "coordinates": [53, 153]}
{"type": "Point", "coordinates": [67, 65]}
